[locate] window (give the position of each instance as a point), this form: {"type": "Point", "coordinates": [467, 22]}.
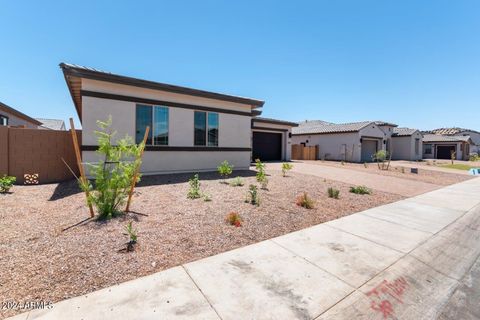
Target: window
{"type": "Point", "coordinates": [427, 148]}
{"type": "Point", "coordinates": [417, 146]}
{"type": "Point", "coordinates": [3, 120]}
{"type": "Point", "coordinates": [206, 132]}
{"type": "Point", "coordinates": [156, 118]}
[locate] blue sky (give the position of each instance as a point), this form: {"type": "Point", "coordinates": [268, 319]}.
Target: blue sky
{"type": "Point", "coordinates": [415, 63]}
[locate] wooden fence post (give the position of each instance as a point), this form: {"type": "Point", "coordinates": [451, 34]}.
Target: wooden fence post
{"type": "Point", "coordinates": [80, 166]}
{"type": "Point", "coordinates": [137, 169]}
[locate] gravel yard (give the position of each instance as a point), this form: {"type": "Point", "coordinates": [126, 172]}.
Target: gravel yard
{"type": "Point", "coordinates": [39, 261]}
{"type": "Point", "coordinates": [436, 177]}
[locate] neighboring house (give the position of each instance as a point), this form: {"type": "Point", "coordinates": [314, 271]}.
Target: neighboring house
{"type": "Point", "coordinates": [436, 146]}
{"type": "Point", "coordinates": [474, 135]}
{"type": "Point", "coordinates": [52, 124]}
{"type": "Point", "coordinates": [191, 130]}
{"type": "Point", "coordinates": [406, 144]}
{"type": "Point", "coordinates": [14, 118]}
{"type": "Point", "coordinates": [271, 139]}
{"type": "Point", "coordinates": [355, 142]}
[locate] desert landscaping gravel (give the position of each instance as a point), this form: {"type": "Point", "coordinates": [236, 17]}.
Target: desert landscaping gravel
{"type": "Point", "coordinates": [395, 170]}
{"type": "Point", "coordinates": [39, 261]}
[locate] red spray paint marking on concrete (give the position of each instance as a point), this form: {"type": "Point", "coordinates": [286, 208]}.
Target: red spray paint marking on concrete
{"type": "Point", "coordinates": [386, 294]}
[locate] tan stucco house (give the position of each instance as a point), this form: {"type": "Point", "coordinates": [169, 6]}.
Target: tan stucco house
{"type": "Point", "coordinates": [436, 146]}
{"type": "Point", "coordinates": [474, 145]}
{"type": "Point", "coordinates": [14, 118]}
{"type": "Point", "coordinates": [406, 144]}
{"type": "Point", "coordinates": [355, 142]}
{"type": "Point", "coordinates": [191, 129]}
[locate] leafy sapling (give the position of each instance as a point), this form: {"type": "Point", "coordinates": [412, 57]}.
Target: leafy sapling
{"type": "Point", "coordinates": [194, 191]}
{"type": "Point", "coordinates": [132, 236]}
{"type": "Point", "coordinates": [286, 167]}
{"type": "Point", "coordinates": [225, 170]}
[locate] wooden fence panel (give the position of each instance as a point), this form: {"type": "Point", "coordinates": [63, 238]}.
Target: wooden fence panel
{"type": "Point", "coordinates": [35, 151]}
{"type": "Point", "coordinates": [301, 152]}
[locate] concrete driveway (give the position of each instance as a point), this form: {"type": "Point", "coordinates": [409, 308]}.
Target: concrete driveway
{"type": "Point", "coordinates": [403, 187]}
{"type": "Point", "coordinates": [414, 259]}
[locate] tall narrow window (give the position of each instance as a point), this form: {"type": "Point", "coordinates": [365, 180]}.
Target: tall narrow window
{"type": "Point", "coordinates": [156, 118]}
{"type": "Point", "coordinates": [417, 146]}
{"type": "Point", "coordinates": [143, 119]}
{"type": "Point", "coordinates": [212, 129]}
{"type": "Point", "coordinates": [160, 126]}
{"type": "Point", "coordinates": [200, 138]}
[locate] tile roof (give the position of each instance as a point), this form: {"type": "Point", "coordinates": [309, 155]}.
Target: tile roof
{"type": "Point", "coordinates": [450, 131]}
{"type": "Point", "coordinates": [401, 132]}
{"type": "Point", "coordinates": [53, 124]}
{"type": "Point", "coordinates": [383, 123]}
{"type": "Point", "coordinates": [322, 127]}
{"type": "Point", "coordinates": [444, 138]}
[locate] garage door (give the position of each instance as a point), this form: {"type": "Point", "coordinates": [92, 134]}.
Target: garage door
{"type": "Point", "coordinates": [369, 147]}
{"type": "Point", "coordinates": [445, 152]}
{"type": "Point", "coordinates": [267, 146]}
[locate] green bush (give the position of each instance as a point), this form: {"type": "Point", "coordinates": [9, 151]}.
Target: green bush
{"type": "Point", "coordinates": [194, 191]}
{"type": "Point", "coordinates": [333, 193]}
{"type": "Point", "coordinates": [252, 196]}
{"type": "Point", "coordinates": [360, 190]}
{"type": "Point", "coordinates": [474, 157]}
{"type": "Point", "coordinates": [261, 175]}
{"type": "Point", "coordinates": [225, 169]}
{"type": "Point", "coordinates": [305, 201]}
{"type": "Point", "coordinates": [381, 157]}
{"type": "Point", "coordinates": [132, 236]}
{"type": "Point", "coordinates": [207, 197]}
{"type": "Point", "coordinates": [6, 182]}
{"type": "Point", "coordinates": [286, 167]}
{"type": "Point", "coordinates": [113, 173]}
{"type": "Point", "coordinates": [236, 182]}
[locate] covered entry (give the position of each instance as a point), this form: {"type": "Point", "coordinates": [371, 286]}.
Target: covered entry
{"type": "Point", "coordinates": [445, 152]}
{"type": "Point", "coordinates": [267, 146]}
{"type": "Point", "coordinates": [369, 148]}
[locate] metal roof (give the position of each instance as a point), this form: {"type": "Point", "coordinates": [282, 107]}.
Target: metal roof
{"type": "Point", "coordinates": [53, 124]}
{"type": "Point", "coordinates": [445, 138]}
{"type": "Point", "coordinates": [402, 132]}
{"type": "Point", "coordinates": [73, 73]}
{"type": "Point", "coordinates": [275, 121]}
{"type": "Point", "coordinates": [322, 127]}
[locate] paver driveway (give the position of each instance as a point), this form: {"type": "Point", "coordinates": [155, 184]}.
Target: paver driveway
{"type": "Point", "coordinates": [403, 187]}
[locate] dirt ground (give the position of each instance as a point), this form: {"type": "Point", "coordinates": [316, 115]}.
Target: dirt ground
{"type": "Point", "coordinates": [438, 177]}
{"type": "Point", "coordinates": [39, 261]}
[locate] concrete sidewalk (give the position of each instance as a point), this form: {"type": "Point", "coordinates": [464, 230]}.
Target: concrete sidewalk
{"type": "Point", "coordinates": [413, 259]}
{"type": "Point", "coordinates": [403, 187]}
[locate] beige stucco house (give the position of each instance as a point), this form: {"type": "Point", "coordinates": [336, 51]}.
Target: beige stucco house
{"type": "Point", "coordinates": [191, 130]}
{"type": "Point", "coordinates": [406, 144]}
{"type": "Point", "coordinates": [14, 118]}
{"type": "Point", "coordinates": [436, 146]}
{"type": "Point", "coordinates": [355, 142]}
{"type": "Point", "coordinates": [474, 145]}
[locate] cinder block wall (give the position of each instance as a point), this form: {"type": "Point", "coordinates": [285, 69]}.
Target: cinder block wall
{"type": "Point", "coordinates": [33, 151]}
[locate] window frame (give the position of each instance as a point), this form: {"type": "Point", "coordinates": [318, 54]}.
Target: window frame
{"type": "Point", "coordinates": [417, 146]}
{"type": "Point", "coordinates": [430, 145]}
{"type": "Point", "coordinates": [2, 117]}
{"type": "Point", "coordinates": [206, 129]}
{"type": "Point", "coordinates": [152, 126]}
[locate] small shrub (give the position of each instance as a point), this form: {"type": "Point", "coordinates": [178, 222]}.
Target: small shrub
{"type": "Point", "coordinates": [234, 219]}
{"type": "Point", "coordinates": [252, 195]}
{"type": "Point", "coordinates": [286, 167]}
{"type": "Point", "coordinates": [6, 182]}
{"type": "Point", "coordinates": [236, 182]}
{"type": "Point", "coordinates": [474, 157]}
{"type": "Point", "coordinates": [403, 170]}
{"type": "Point", "coordinates": [365, 165]}
{"type": "Point", "coordinates": [207, 197]}
{"type": "Point", "coordinates": [132, 236]}
{"type": "Point", "coordinates": [261, 175]}
{"type": "Point", "coordinates": [382, 159]}
{"type": "Point", "coordinates": [333, 193]}
{"type": "Point", "coordinates": [225, 169]}
{"type": "Point", "coordinates": [360, 190]}
{"type": "Point", "coordinates": [343, 163]}
{"type": "Point", "coordinates": [194, 191]}
{"type": "Point", "coordinates": [305, 201]}
{"type": "Point", "coordinates": [264, 183]}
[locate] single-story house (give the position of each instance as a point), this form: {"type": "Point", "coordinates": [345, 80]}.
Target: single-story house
{"type": "Point", "coordinates": [52, 124]}
{"type": "Point", "coordinates": [455, 131]}
{"type": "Point", "coordinates": [406, 144]}
{"type": "Point", "coordinates": [191, 129]}
{"type": "Point", "coordinates": [355, 142]}
{"type": "Point", "coordinates": [14, 118]}
{"type": "Point", "coordinates": [436, 146]}
{"type": "Point", "coordinates": [271, 139]}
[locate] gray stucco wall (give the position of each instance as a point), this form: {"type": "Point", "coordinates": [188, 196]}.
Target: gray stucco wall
{"type": "Point", "coordinates": [403, 147]}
